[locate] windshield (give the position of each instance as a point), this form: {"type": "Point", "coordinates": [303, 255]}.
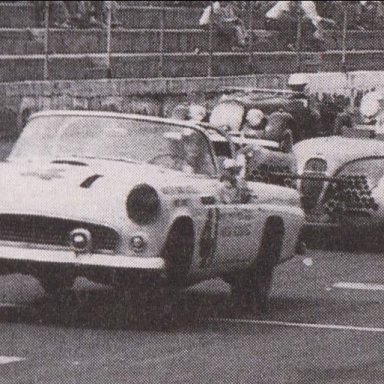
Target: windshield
{"type": "Point", "coordinates": [114, 138]}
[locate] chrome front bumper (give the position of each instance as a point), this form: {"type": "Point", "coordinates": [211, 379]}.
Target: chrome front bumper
{"type": "Point", "coordinates": [65, 257]}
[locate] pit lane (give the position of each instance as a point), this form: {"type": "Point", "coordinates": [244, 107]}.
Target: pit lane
{"type": "Point", "coordinates": [325, 324]}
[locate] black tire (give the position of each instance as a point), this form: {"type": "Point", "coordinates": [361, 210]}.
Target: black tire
{"type": "Point", "coordinates": [178, 252]}
{"type": "Point", "coordinates": [57, 285]}
{"type": "Point", "coordinates": [251, 288]}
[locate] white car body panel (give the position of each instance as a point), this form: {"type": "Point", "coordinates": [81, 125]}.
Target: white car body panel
{"type": "Point", "coordinates": [337, 152]}
{"type": "Point", "coordinates": [44, 189]}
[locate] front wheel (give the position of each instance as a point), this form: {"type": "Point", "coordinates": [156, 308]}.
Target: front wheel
{"type": "Point", "coordinates": [251, 288]}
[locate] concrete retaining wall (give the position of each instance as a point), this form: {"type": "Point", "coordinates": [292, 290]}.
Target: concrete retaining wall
{"type": "Point", "coordinates": [153, 96]}
{"type": "Point", "coordinates": [150, 96]}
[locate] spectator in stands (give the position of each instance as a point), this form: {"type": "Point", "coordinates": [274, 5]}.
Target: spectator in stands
{"type": "Point", "coordinates": [59, 16]}
{"type": "Point", "coordinates": [284, 17]}
{"type": "Point", "coordinates": [227, 24]}
{"type": "Point", "coordinates": [371, 14]}
{"type": "Point", "coordinates": [93, 14]}
{"type": "Point", "coordinates": [361, 15]}
{"type": "Point", "coordinates": [101, 10]}
{"type": "Point", "coordinates": [39, 12]}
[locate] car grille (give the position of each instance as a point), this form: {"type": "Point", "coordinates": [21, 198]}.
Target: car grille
{"type": "Point", "coordinates": [349, 193]}
{"type": "Point", "coordinates": [53, 231]}
{"type": "Point", "coordinates": [311, 189]}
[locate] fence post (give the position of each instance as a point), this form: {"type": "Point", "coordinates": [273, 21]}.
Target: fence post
{"type": "Point", "coordinates": [46, 40]}
{"type": "Point", "coordinates": [210, 42]}
{"type": "Point", "coordinates": [109, 39]}
{"type": "Point", "coordinates": [299, 39]}
{"type": "Point", "coordinates": [250, 36]}
{"type": "Point", "coordinates": [161, 43]}
{"type": "Point", "coordinates": [344, 38]}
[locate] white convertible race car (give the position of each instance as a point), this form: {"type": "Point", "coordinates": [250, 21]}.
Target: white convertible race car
{"type": "Point", "coordinates": [137, 202]}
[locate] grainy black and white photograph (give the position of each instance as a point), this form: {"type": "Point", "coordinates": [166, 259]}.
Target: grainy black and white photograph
{"type": "Point", "coordinates": [191, 192]}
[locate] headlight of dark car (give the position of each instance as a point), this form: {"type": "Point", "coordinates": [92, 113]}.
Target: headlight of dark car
{"type": "Point", "coordinates": [143, 204]}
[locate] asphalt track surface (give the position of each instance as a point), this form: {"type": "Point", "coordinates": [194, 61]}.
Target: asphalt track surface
{"type": "Point", "coordinates": [325, 325]}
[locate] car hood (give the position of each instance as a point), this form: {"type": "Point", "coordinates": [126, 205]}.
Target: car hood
{"type": "Point", "coordinates": [96, 190]}
{"type": "Point", "coordinates": [336, 150]}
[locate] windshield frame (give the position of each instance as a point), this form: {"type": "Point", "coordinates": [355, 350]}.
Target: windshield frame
{"type": "Point", "coordinates": [131, 117]}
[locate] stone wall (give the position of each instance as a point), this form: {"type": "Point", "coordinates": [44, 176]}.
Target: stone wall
{"type": "Point", "coordinates": [154, 96]}
{"type": "Point", "coordinates": [150, 96]}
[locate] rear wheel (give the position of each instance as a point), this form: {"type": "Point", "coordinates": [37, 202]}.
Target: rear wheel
{"type": "Point", "coordinates": [251, 288]}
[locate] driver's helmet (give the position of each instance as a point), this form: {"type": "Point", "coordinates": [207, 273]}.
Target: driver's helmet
{"type": "Point", "coordinates": [254, 118]}
{"type": "Point", "coordinates": [232, 165]}
{"type": "Point", "coordinates": [180, 143]}
{"type": "Point", "coordinates": [197, 112]}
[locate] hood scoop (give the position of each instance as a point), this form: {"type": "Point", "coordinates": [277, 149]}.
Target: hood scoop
{"type": "Point", "coordinates": [87, 183]}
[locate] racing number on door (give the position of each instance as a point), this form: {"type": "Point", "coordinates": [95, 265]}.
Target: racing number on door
{"type": "Point", "coordinates": [208, 239]}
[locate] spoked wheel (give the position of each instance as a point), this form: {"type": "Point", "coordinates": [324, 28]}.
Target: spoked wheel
{"type": "Point", "coordinates": [251, 288]}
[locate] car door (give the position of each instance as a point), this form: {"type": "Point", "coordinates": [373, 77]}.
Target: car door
{"type": "Point", "coordinates": [228, 234]}
{"type": "Point", "coordinates": [238, 227]}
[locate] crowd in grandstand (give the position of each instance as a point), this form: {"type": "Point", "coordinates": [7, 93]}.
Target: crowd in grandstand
{"type": "Point", "coordinates": [285, 16]}
{"type": "Point", "coordinates": [80, 14]}
{"type": "Point", "coordinates": [230, 17]}
{"type": "Point", "coordinates": [179, 41]}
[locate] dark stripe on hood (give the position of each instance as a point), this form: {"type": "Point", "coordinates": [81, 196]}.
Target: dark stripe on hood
{"type": "Point", "coordinates": [87, 183]}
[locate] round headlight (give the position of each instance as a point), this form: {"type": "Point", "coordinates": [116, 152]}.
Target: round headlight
{"type": "Point", "coordinates": [143, 204]}
{"type": "Point", "coordinates": [370, 104]}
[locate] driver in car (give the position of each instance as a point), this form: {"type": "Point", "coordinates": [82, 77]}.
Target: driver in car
{"type": "Point", "coordinates": [233, 189]}
{"type": "Point", "coordinates": [196, 156]}
{"type": "Point", "coordinates": [189, 153]}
